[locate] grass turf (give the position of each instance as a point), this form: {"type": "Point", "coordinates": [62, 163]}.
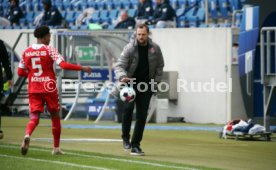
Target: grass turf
{"type": "Point", "coordinates": [184, 149]}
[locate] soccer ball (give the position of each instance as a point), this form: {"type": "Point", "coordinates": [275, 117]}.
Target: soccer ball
{"type": "Point", "coordinates": [127, 94]}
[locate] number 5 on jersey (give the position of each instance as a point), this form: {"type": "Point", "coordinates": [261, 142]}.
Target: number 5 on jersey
{"type": "Point", "coordinates": [37, 66]}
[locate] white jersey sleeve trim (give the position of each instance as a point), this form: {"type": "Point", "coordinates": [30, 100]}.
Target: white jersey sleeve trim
{"type": "Point", "coordinates": [55, 55]}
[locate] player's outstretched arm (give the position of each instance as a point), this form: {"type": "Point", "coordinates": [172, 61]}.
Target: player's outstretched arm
{"type": "Point", "coordinates": [69, 66]}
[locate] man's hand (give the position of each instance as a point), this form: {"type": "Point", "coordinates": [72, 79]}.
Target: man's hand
{"type": "Point", "coordinates": [86, 69]}
{"type": "Point", "coordinates": [10, 83]}
{"type": "Point", "coordinates": [124, 79]}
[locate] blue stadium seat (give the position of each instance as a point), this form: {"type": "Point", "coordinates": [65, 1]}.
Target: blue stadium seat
{"type": "Point", "coordinates": [59, 6]}
{"type": "Point", "coordinates": [95, 17]}
{"type": "Point", "coordinates": [110, 27]}
{"type": "Point", "coordinates": [196, 17]}
{"type": "Point", "coordinates": [25, 27]}
{"type": "Point", "coordinates": [104, 16]}
{"type": "Point", "coordinates": [126, 4]}
{"type": "Point", "coordinates": [77, 13]}
{"type": "Point", "coordinates": [1, 10]}
{"type": "Point", "coordinates": [92, 4]}
{"type": "Point", "coordinates": [5, 5]}
{"type": "Point", "coordinates": [29, 7]}
{"type": "Point", "coordinates": [134, 4]}
{"type": "Point", "coordinates": [109, 5]}
{"type": "Point", "coordinates": [63, 14]}
{"type": "Point", "coordinates": [193, 3]}
{"type": "Point", "coordinates": [117, 4]}
{"type": "Point", "coordinates": [22, 6]}
{"type": "Point", "coordinates": [70, 16]}
{"type": "Point", "coordinates": [68, 6]}
{"type": "Point", "coordinates": [179, 12]}
{"type": "Point", "coordinates": [187, 19]}
{"type": "Point", "coordinates": [30, 17]}
{"type": "Point", "coordinates": [201, 4]}
{"type": "Point", "coordinates": [101, 5]}
{"type": "Point", "coordinates": [74, 27]}
{"type": "Point", "coordinates": [235, 5]}
{"type": "Point", "coordinates": [76, 6]}
{"type": "Point", "coordinates": [224, 7]}
{"type": "Point", "coordinates": [22, 21]}
{"type": "Point", "coordinates": [200, 15]}
{"type": "Point", "coordinates": [9, 27]}
{"type": "Point", "coordinates": [113, 14]}
{"type": "Point", "coordinates": [83, 27]}
{"type": "Point", "coordinates": [38, 7]}
{"type": "Point", "coordinates": [213, 9]}
{"type": "Point", "coordinates": [238, 19]}
{"type": "Point", "coordinates": [131, 12]}
{"type": "Point", "coordinates": [174, 4]}
{"type": "Point", "coordinates": [83, 5]}
{"type": "Point", "coordinates": [16, 27]}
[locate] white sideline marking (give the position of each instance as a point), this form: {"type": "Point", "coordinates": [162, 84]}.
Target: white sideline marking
{"type": "Point", "coordinates": [109, 158]}
{"type": "Point", "coordinates": [219, 144]}
{"type": "Point", "coordinates": [54, 162]}
{"type": "Point", "coordinates": [79, 140]}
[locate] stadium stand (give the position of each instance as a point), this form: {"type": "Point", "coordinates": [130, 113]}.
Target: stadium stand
{"type": "Point", "coordinates": [189, 13]}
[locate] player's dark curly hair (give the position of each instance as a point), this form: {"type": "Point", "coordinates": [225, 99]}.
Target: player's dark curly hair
{"type": "Point", "coordinates": [41, 31]}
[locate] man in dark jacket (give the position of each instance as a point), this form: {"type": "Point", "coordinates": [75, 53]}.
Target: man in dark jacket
{"type": "Point", "coordinates": [164, 15]}
{"type": "Point", "coordinates": [141, 65]}
{"type": "Point", "coordinates": [13, 15]}
{"type": "Point", "coordinates": [126, 22]}
{"type": "Point", "coordinates": [4, 61]}
{"type": "Point", "coordinates": [144, 11]}
{"type": "Point", "coordinates": [51, 16]}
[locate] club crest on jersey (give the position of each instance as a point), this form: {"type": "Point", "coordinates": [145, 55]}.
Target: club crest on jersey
{"type": "Point", "coordinates": [152, 50]}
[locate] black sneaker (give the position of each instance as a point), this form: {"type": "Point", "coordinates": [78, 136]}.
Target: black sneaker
{"type": "Point", "coordinates": [126, 145]}
{"type": "Point", "coordinates": [136, 151]}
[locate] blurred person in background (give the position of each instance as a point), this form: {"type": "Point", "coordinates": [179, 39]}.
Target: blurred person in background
{"type": "Point", "coordinates": [51, 15]}
{"type": "Point", "coordinates": [4, 62]}
{"type": "Point", "coordinates": [164, 15]}
{"type": "Point", "coordinates": [13, 15]}
{"type": "Point", "coordinates": [125, 21]}
{"type": "Point", "coordinates": [144, 11]}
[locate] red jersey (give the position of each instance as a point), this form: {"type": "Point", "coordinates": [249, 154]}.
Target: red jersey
{"type": "Point", "coordinates": [38, 60]}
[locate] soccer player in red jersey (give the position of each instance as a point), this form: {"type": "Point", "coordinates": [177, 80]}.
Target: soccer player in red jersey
{"type": "Point", "coordinates": [37, 65]}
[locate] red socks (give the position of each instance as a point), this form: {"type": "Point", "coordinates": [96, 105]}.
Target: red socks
{"type": "Point", "coordinates": [56, 130]}
{"type": "Point", "coordinates": [33, 122]}
{"type": "Point", "coordinates": [56, 127]}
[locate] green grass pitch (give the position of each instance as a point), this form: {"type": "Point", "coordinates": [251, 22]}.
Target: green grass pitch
{"type": "Point", "coordinates": [165, 149]}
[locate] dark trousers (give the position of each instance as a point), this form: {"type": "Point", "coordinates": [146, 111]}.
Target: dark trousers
{"type": "Point", "coordinates": [142, 104]}
{"type": "Point", "coordinates": [1, 95]}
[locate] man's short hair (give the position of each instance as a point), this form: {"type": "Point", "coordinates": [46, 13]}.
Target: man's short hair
{"type": "Point", "coordinates": [48, 2]}
{"type": "Point", "coordinates": [143, 26]}
{"type": "Point", "coordinates": [16, 1]}
{"type": "Point", "coordinates": [41, 31]}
